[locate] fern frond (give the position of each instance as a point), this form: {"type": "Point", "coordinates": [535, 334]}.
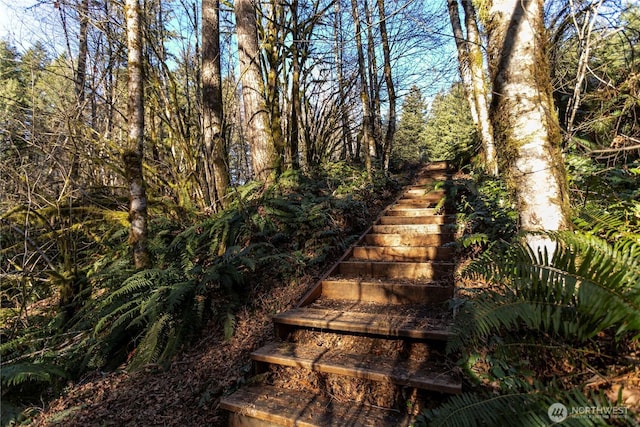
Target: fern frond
{"type": "Point", "coordinates": [587, 287]}
{"type": "Point", "coordinates": [16, 374]}
{"type": "Point", "coordinates": [154, 342]}
{"type": "Point", "coordinates": [526, 407]}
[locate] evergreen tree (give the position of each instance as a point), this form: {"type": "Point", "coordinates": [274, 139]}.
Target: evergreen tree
{"type": "Point", "coordinates": [450, 133]}
{"type": "Point", "coordinates": [409, 143]}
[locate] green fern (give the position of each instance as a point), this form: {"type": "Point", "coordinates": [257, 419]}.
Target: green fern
{"type": "Point", "coordinates": [16, 374]}
{"type": "Point", "coordinates": [526, 406]}
{"type": "Point", "coordinates": [587, 287]}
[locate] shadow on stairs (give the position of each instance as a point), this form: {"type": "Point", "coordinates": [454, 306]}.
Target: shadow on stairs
{"type": "Point", "coordinates": [365, 347]}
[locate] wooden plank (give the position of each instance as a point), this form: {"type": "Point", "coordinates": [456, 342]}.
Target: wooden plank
{"type": "Point", "coordinates": [408, 211]}
{"type": "Point", "coordinates": [365, 323]}
{"type": "Point", "coordinates": [416, 203]}
{"type": "Point", "coordinates": [424, 375]}
{"type": "Point", "coordinates": [387, 292]}
{"type": "Point", "coordinates": [403, 253]}
{"type": "Point", "coordinates": [413, 229]}
{"type": "Point", "coordinates": [417, 219]}
{"type": "Point", "coordinates": [424, 195]}
{"type": "Point", "coordinates": [397, 270]}
{"type": "Point", "coordinates": [431, 178]}
{"type": "Point", "coordinates": [435, 166]}
{"type": "Point", "coordinates": [404, 240]}
{"type": "Point", "coordinates": [270, 406]}
{"type": "Point", "coordinates": [425, 190]}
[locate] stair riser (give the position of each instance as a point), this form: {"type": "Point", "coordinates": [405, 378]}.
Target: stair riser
{"type": "Point", "coordinates": [413, 271]}
{"type": "Point", "coordinates": [417, 220]}
{"type": "Point", "coordinates": [402, 240]}
{"type": "Point", "coordinates": [422, 195]}
{"type": "Point", "coordinates": [408, 211]}
{"type": "Point", "coordinates": [386, 293]}
{"type": "Point", "coordinates": [402, 253]}
{"type": "Point", "coordinates": [413, 229]}
{"type": "Point", "coordinates": [416, 203]}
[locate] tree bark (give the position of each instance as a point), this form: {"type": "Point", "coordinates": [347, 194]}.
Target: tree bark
{"type": "Point", "coordinates": [463, 57]}
{"type": "Point", "coordinates": [374, 85]}
{"type": "Point", "coordinates": [367, 131]}
{"type": "Point", "coordinates": [479, 85]}
{"type": "Point", "coordinates": [256, 117]}
{"type": "Point", "coordinates": [525, 124]}
{"type": "Point", "coordinates": [386, 52]}
{"type": "Point", "coordinates": [216, 169]}
{"type": "Point", "coordinates": [133, 154]}
{"type": "Point", "coordinates": [347, 140]}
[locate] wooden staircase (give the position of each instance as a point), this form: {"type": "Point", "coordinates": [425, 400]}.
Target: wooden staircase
{"type": "Point", "coordinates": [367, 341]}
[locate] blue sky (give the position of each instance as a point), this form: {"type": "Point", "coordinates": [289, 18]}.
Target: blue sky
{"type": "Point", "coordinates": [24, 22]}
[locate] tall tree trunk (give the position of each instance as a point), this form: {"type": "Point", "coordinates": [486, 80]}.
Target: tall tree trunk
{"type": "Point", "coordinates": [83, 50]}
{"type": "Point", "coordinates": [256, 117]}
{"type": "Point", "coordinates": [386, 51]}
{"type": "Point", "coordinates": [347, 140]}
{"type": "Point", "coordinates": [216, 169]}
{"type": "Point", "coordinates": [479, 84]}
{"type": "Point", "coordinates": [374, 94]}
{"type": "Point", "coordinates": [133, 154]}
{"type": "Point", "coordinates": [462, 48]}
{"type": "Point", "coordinates": [296, 106]}
{"type": "Point", "coordinates": [367, 131]}
{"type": "Point", "coordinates": [525, 124]}
{"type": "Point", "coordinates": [470, 64]}
{"type": "Point", "coordinates": [272, 50]}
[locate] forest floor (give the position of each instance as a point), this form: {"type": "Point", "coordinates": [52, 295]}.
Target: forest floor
{"type": "Point", "coordinates": [188, 392]}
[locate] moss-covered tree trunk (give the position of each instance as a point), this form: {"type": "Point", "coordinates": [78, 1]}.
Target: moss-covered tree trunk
{"type": "Point", "coordinates": [255, 111]}
{"type": "Point", "coordinates": [479, 87]}
{"type": "Point", "coordinates": [216, 170]}
{"type": "Point", "coordinates": [134, 152]}
{"type": "Point", "coordinates": [525, 125]}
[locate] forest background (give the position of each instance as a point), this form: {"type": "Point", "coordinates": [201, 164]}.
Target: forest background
{"type": "Point", "coordinates": [98, 144]}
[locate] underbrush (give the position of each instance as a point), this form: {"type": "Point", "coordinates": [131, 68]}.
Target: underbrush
{"type": "Point", "coordinates": [82, 307]}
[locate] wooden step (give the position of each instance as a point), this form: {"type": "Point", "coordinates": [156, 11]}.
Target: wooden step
{"type": "Point", "coordinates": [425, 195]}
{"type": "Point", "coordinates": [425, 190]}
{"type": "Point", "coordinates": [402, 253]}
{"type": "Point", "coordinates": [431, 178]}
{"type": "Point", "coordinates": [397, 270]}
{"type": "Point", "coordinates": [416, 219]}
{"type": "Point", "coordinates": [386, 291]}
{"type": "Point", "coordinates": [404, 240]}
{"type": "Point", "coordinates": [416, 203]}
{"type": "Point", "coordinates": [400, 210]}
{"type": "Point", "coordinates": [435, 166]}
{"type": "Point", "coordinates": [268, 406]}
{"type": "Point", "coordinates": [385, 326]}
{"type": "Point", "coordinates": [423, 375]}
{"type": "Point", "coordinates": [413, 229]}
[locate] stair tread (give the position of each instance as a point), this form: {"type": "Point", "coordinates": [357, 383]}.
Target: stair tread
{"type": "Point", "coordinates": [307, 409]}
{"type": "Point", "coordinates": [413, 228]}
{"type": "Point", "coordinates": [388, 291]}
{"type": "Point", "coordinates": [388, 325]}
{"type": "Point", "coordinates": [426, 375]}
{"type": "Point", "coordinates": [402, 253]}
{"type": "Point", "coordinates": [345, 280]}
{"type": "Point", "coordinates": [399, 239]}
{"type": "Point", "coordinates": [436, 263]}
{"type": "Point", "coordinates": [416, 219]}
{"type": "Point", "coordinates": [397, 269]}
